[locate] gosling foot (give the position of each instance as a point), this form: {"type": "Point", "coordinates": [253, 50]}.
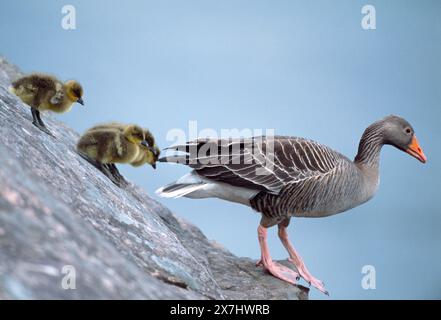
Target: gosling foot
{"type": "Point", "coordinates": [43, 128]}
{"type": "Point", "coordinates": [36, 117]}
{"type": "Point", "coordinates": [117, 177]}
{"type": "Point", "coordinates": [101, 167]}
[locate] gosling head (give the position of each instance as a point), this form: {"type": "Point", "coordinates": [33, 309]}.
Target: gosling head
{"type": "Point", "coordinates": [398, 132]}
{"type": "Point", "coordinates": [151, 149]}
{"type": "Point", "coordinates": [134, 134]}
{"type": "Point", "coordinates": [74, 91]}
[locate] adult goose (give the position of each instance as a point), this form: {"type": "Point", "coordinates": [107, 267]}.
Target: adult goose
{"type": "Point", "coordinates": [284, 177]}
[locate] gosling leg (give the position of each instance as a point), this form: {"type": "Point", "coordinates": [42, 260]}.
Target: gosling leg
{"type": "Point", "coordinates": [108, 169]}
{"type": "Point", "coordinates": [100, 166]}
{"type": "Point", "coordinates": [39, 123]}
{"type": "Point", "coordinates": [117, 175]}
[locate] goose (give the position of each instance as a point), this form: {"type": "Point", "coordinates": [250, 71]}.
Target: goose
{"type": "Point", "coordinates": [44, 92]}
{"type": "Point", "coordinates": [103, 147]}
{"type": "Point", "coordinates": [283, 177]}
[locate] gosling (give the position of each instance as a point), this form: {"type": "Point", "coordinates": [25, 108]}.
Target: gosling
{"type": "Point", "coordinates": [147, 154]}
{"type": "Point", "coordinates": [103, 146]}
{"type": "Point", "coordinates": [46, 93]}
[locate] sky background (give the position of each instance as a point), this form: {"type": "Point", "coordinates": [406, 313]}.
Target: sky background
{"type": "Point", "coordinates": [303, 68]}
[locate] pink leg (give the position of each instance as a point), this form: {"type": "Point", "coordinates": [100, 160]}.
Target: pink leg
{"type": "Point", "coordinates": [277, 270]}
{"type": "Point", "coordinates": [295, 258]}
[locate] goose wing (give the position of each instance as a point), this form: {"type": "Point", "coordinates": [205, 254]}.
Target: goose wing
{"type": "Point", "coordinates": [260, 163]}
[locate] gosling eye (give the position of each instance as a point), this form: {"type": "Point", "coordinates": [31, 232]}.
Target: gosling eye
{"type": "Point", "coordinates": [76, 93]}
{"type": "Point", "coordinates": [408, 130]}
{"type": "Point", "coordinates": [150, 142]}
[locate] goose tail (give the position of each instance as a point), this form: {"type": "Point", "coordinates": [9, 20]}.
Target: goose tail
{"type": "Point", "coordinates": [186, 185]}
{"type": "Point", "coordinates": [177, 190]}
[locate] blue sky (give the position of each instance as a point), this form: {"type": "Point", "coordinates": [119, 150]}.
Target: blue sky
{"type": "Point", "coordinates": [303, 68]}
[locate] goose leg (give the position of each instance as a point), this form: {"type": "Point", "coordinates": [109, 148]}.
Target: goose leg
{"type": "Point", "coordinates": [276, 269]}
{"type": "Point", "coordinates": [295, 258]}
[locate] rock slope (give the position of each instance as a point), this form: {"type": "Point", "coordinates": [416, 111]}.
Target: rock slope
{"type": "Point", "coordinates": [60, 217]}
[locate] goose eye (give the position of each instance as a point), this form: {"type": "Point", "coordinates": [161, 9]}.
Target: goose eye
{"type": "Point", "coordinates": [408, 131]}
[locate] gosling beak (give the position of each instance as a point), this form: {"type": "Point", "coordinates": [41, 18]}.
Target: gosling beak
{"type": "Point", "coordinates": [152, 150]}
{"type": "Point", "coordinates": [80, 101]}
{"type": "Point", "coordinates": [155, 153]}
{"type": "Point", "coordinates": [415, 150]}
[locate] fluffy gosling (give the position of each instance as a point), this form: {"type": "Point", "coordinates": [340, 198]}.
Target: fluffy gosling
{"type": "Point", "coordinates": [46, 93]}
{"type": "Point", "coordinates": [147, 155]}
{"type": "Point", "coordinates": [103, 146]}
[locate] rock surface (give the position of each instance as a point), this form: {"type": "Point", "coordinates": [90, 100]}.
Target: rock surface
{"type": "Point", "coordinates": [58, 214]}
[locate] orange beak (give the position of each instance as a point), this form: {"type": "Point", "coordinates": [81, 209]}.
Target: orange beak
{"type": "Point", "coordinates": [415, 150]}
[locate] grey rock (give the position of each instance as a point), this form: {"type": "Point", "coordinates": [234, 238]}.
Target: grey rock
{"type": "Point", "coordinates": [8, 72]}
{"type": "Point", "coordinates": [57, 212]}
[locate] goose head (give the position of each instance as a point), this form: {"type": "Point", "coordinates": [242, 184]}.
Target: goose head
{"type": "Point", "coordinates": [397, 132]}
